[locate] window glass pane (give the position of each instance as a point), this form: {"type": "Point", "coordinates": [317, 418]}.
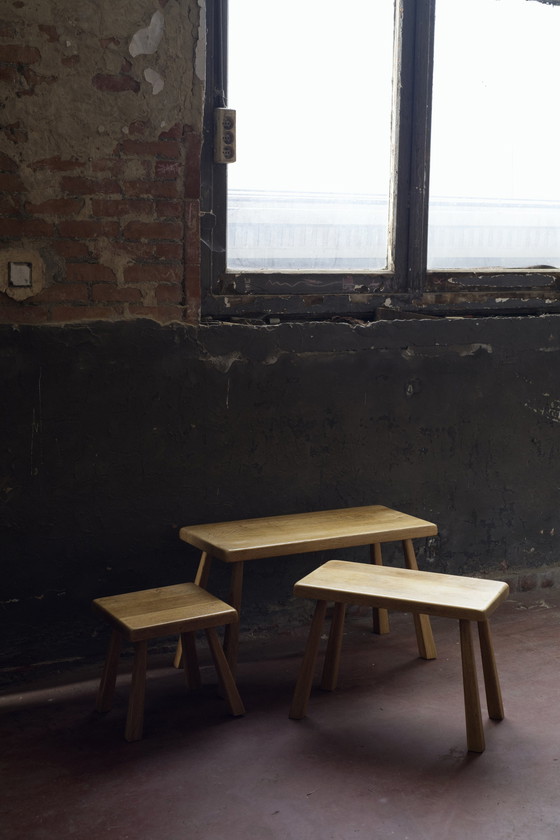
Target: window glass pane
{"type": "Point", "coordinates": [311, 83]}
{"type": "Point", "coordinates": [495, 178]}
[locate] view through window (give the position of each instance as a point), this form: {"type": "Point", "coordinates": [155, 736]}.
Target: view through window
{"type": "Point", "coordinates": [311, 81]}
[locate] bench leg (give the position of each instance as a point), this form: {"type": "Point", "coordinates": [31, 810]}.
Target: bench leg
{"type": "Point", "coordinates": [231, 637]}
{"type": "Point", "coordinates": [422, 625]}
{"type": "Point", "coordinates": [109, 675]}
{"type": "Point", "coordinates": [298, 709]}
{"type": "Point", "coordinates": [332, 656]}
{"type": "Point", "coordinates": [491, 681]}
{"type": "Point", "coordinates": [190, 660]}
{"type": "Point", "coordinates": [227, 681]}
{"type": "Point", "coordinates": [201, 579]}
{"type": "Point", "coordinates": [135, 716]}
{"type": "Point", "coordinates": [475, 731]}
{"type": "Point", "coordinates": [380, 616]}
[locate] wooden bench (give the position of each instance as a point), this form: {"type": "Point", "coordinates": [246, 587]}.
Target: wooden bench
{"type": "Point", "coordinates": [405, 590]}
{"type": "Point", "coordinates": [275, 536]}
{"type": "Point", "coordinates": [138, 617]}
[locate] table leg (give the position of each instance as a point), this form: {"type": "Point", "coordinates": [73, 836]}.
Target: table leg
{"type": "Point", "coordinates": [475, 731]}
{"type": "Point", "coordinates": [424, 636]}
{"type": "Point", "coordinates": [190, 660]}
{"type": "Point", "coordinates": [332, 656]}
{"type": "Point", "coordinates": [380, 616]}
{"type": "Point", "coordinates": [231, 637]}
{"type": "Point", "coordinates": [135, 715]}
{"type": "Point", "coordinates": [201, 579]}
{"type": "Point", "coordinates": [491, 681]}
{"type": "Point", "coordinates": [109, 676]}
{"type": "Point", "coordinates": [298, 709]}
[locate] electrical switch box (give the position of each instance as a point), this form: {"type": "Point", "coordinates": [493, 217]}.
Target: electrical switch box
{"type": "Point", "coordinates": [19, 275]}
{"type": "Point", "coordinates": [224, 135]}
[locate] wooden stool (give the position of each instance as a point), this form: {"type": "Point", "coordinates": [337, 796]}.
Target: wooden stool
{"type": "Point", "coordinates": [404, 590]}
{"type": "Point", "coordinates": [152, 614]}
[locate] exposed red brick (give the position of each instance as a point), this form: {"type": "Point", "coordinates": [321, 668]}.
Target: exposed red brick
{"type": "Point", "coordinates": [70, 248]}
{"type": "Point", "coordinates": [7, 164]}
{"type": "Point", "coordinates": [86, 313]}
{"type": "Point", "coordinates": [111, 165]}
{"type": "Point", "coordinates": [157, 189]}
{"type": "Point", "coordinates": [136, 250]}
{"type": "Point", "coordinates": [193, 147]}
{"type": "Point", "coordinates": [8, 74]}
{"type": "Point", "coordinates": [115, 84]}
{"type": "Point", "coordinates": [63, 292]}
{"type": "Point", "coordinates": [192, 233]}
{"type": "Point", "coordinates": [56, 207]}
{"type": "Point", "coordinates": [23, 314]}
{"type": "Point", "coordinates": [19, 54]}
{"type": "Point", "coordinates": [70, 60]}
{"type": "Point", "coordinates": [56, 164]}
{"type": "Point", "coordinates": [50, 32]}
{"type": "Point", "coordinates": [153, 230]}
{"type": "Point", "coordinates": [138, 127]}
{"type": "Point", "coordinates": [90, 272]}
{"type": "Point", "coordinates": [153, 274]}
{"type": "Point", "coordinates": [104, 292]}
{"type": "Point", "coordinates": [11, 183]}
{"type": "Point", "coordinates": [168, 250]}
{"type": "Point", "coordinates": [114, 208]}
{"type": "Point", "coordinates": [86, 229]}
{"type": "Point", "coordinates": [167, 170]}
{"type": "Point", "coordinates": [8, 207]}
{"type": "Point", "coordinates": [173, 133]}
{"type": "Point", "coordinates": [16, 228]}
{"type": "Point", "coordinates": [76, 185]}
{"type": "Point", "coordinates": [169, 209]}
{"type": "Point", "coordinates": [169, 294]}
{"type": "Point", "coordinates": [146, 148]}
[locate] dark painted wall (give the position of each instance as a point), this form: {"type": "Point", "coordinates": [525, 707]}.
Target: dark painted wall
{"type": "Point", "coordinates": [116, 434]}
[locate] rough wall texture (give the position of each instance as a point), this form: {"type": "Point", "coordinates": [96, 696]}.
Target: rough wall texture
{"type": "Point", "coordinates": [99, 159]}
{"type": "Point", "coordinates": [118, 434]}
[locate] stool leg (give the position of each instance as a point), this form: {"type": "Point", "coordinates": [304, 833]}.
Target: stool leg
{"type": "Point", "coordinates": [332, 657]}
{"type": "Point", "coordinates": [424, 636]}
{"type": "Point", "coordinates": [135, 716]}
{"type": "Point", "coordinates": [190, 660]}
{"type": "Point", "coordinates": [225, 676]}
{"type": "Point", "coordinates": [475, 731]}
{"type": "Point", "coordinates": [298, 709]}
{"type": "Point", "coordinates": [201, 579]}
{"type": "Point", "coordinates": [231, 637]}
{"type": "Point", "coordinates": [380, 616]}
{"type": "Point", "coordinates": [491, 681]}
{"type": "Point", "coordinates": [109, 675]}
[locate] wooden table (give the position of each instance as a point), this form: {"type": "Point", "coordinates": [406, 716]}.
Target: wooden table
{"type": "Point", "coordinates": [300, 533]}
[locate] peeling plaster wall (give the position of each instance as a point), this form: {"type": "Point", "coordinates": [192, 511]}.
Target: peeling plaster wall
{"type": "Point", "coordinates": [100, 136]}
{"type": "Point", "coordinates": [119, 434]}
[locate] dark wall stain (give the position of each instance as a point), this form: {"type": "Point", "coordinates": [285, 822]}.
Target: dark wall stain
{"type": "Point", "coordinates": [115, 435]}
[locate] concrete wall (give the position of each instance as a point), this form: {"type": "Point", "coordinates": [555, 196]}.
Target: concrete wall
{"type": "Point", "coordinates": [118, 434]}
{"type": "Point", "coordinates": [124, 418]}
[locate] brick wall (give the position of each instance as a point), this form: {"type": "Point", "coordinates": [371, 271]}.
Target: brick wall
{"type": "Point", "coordinates": [110, 204]}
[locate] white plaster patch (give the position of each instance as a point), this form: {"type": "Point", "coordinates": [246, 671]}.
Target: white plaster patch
{"type": "Point", "coordinates": [156, 81]}
{"type": "Point", "coordinates": [146, 41]}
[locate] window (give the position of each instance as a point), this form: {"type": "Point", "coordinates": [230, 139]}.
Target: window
{"type": "Point", "coordinates": [392, 157]}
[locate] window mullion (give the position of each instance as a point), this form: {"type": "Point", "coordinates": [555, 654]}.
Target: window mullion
{"type": "Point", "coordinates": [414, 40]}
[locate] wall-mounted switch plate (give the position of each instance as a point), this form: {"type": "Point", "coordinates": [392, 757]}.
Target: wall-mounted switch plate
{"type": "Point", "coordinates": [19, 275]}
{"type": "Point", "coordinates": [224, 135]}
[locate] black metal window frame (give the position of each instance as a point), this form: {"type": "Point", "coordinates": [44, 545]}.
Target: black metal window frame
{"type": "Point", "coordinates": [408, 289]}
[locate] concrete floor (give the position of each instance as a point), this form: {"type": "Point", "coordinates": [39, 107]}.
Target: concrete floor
{"type": "Point", "coordinates": [384, 756]}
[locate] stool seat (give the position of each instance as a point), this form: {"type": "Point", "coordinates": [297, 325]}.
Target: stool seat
{"type": "Point", "coordinates": [404, 590]}
{"type": "Point", "coordinates": [138, 617]}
